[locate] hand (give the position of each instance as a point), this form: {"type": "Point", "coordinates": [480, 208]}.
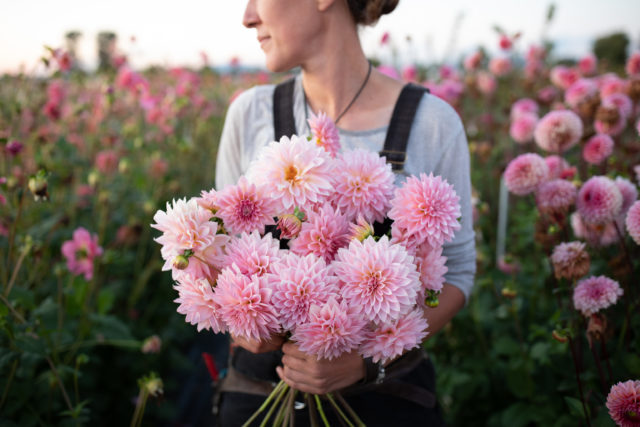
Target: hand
{"type": "Point", "coordinates": [272, 344]}
{"type": "Point", "coordinates": [309, 374]}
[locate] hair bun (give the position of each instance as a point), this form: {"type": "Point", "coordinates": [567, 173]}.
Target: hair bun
{"type": "Point", "coordinates": [367, 12]}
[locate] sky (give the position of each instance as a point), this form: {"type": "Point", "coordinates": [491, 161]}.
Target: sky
{"type": "Point", "coordinates": [170, 32]}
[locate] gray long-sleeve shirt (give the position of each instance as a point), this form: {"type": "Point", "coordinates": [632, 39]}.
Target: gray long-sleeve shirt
{"type": "Point", "coordinates": [437, 143]}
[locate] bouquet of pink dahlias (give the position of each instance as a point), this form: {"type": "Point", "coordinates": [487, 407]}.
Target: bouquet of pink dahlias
{"type": "Point", "coordinates": [316, 245]}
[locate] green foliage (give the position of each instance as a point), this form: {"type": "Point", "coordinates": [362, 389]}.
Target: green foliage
{"type": "Point", "coordinates": [612, 49]}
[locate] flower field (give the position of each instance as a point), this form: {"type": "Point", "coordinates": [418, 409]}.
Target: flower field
{"type": "Point", "coordinates": [90, 332]}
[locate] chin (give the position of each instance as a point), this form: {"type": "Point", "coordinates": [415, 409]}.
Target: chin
{"type": "Point", "coordinates": [278, 65]}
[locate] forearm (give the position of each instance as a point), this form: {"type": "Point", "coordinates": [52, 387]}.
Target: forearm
{"type": "Point", "coordinates": [451, 300]}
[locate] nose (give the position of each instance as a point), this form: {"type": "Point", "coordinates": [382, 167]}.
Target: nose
{"type": "Point", "coordinates": [250, 18]}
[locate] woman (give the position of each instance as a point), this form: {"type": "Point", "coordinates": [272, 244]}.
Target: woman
{"type": "Point", "coordinates": [321, 37]}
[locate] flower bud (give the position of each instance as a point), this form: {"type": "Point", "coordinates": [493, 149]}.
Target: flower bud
{"type": "Point", "coordinates": [180, 262]}
{"type": "Point", "coordinates": [124, 166]}
{"type": "Point", "coordinates": [431, 298]}
{"type": "Point", "coordinates": [289, 226]}
{"type": "Point", "coordinates": [93, 178]}
{"type": "Point", "coordinates": [38, 186]}
{"type": "Point", "coordinates": [509, 293]}
{"type": "Point", "coordinates": [559, 336]}
{"type": "Point", "coordinates": [361, 230]}
{"type": "Point", "coordinates": [14, 147]}
{"type": "Point", "coordinates": [152, 344]}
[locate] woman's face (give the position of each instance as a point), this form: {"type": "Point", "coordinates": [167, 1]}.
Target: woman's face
{"type": "Point", "coordinates": [286, 30]}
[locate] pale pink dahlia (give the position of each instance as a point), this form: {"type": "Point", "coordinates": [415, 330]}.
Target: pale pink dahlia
{"type": "Point", "coordinates": [195, 297]}
{"type": "Point", "coordinates": [524, 105]}
{"type": "Point", "coordinates": [563, 77]}
{"type": "Point", "coordinates": [633, 64]}
{"type": "Point", "coordinates": [473, 60]}
{"type": "Point", "coordinates": [387, 341]}
{"type": "Point", "coordinates": [597, 148]}
{"type": "Point", "coordinates": [186, 226]}
{"type": "Point", "coordinates": [522, 127]}
{"type": "Point", "coordinates": [556, 196]}
{"type": "Point", "coordinates": [525, 173]}
{"type": "Point", "coordinates": [245, 305]}
{"type": "Point", "coordinates": [299, 282]}
{"type": "Point", "coordinates": [208, 199]}
{"type": "Point", "coordinates": [427, 209]}
{"type": "Point", "coordinates": [633, 222]}
{"type": "Point", "coordinates": [80, 252]}
{"type": "Point", "coordinates": [333, 328]}
{"type": "Point", "coordinates": [557, 165]}
{"type": "Point", "coordinates": [432, 268]}
{"type": "Point", "coordinates": [486, 83]}
{"type": "Point", "coordinates": [378, 279]}
{"type": "Point", "coordinates": [363, 183]}
{"type": "Point", "coordinates": [597, 235]}
{"type": "Point", "coordinates": [245, 207]}
{"type": "Point", "coordinates": [296, 171]}
{"type": "Point", "coordinates": [599, 200]}
{"type": "Point", "coordinates": [621, 101]}
{"type": "Point", "coordinates": [595, 293]}
{"type": "Point", "coordinates": [570, 260]}
{"type": "Point", "coordinates": [580, 91]}
{"type": "Point", "coordinates": [610, 83]}
{"type": "Point", "coordinates": [558, 131]}
{"type": "Point", "coordinates": [623, 401]}
{"type": "Point", "coordinates": [325, 133]}
{"type": "Point", "coordinates": [253, 254]}
{"type": "Point", "coordinates": [500, 66]}
{"type": "Point", "coordinates": [629, 193]}
{"type": "Point", "coordinates": [325, 231]}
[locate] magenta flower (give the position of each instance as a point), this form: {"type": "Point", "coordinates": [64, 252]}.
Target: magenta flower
{"type": "Point", "coordinates": [525, 173]}
{"type": "Point", "coordinates": [557, 165]}
{"type": "Point", "coordinates": [378, 279]}
{"type": "Point", "coordinates": [80, 252]}
{"type": "Point", "coordinates": [633, 222]}
{"type": "Point", "coordinates": [298, 283]}
{"type": "Point", "coordinates": [245, 305]}
{"type": "Point", "coordinates": [588, 64]}
{"type": "Point", "coordinates": [597, 148]}
{"type": "Point", "coordinates": [296, 171]}
{"type": "Point", "coordinates": [522, 127]}
{"type": "Point", "coordinates": [386, 341]}
{"type": "Point", "coordinates": [245, 207]}
{"type": "Point", "coordinates": [325, 231]}
{"type": "Point", "coordinates": [556, 196]}
{"type": "Point", "coordinates": [623, 401]}
{"type": "Point", "coordinates": [633, 65]}
{"type": "Point", "coordinates": [595, 293]}
{"type": "Point", "coordinates": [325, 133]}
{"type": "Point", "coordinates": [333, 328]}
{"type": "Point", "coordinates": [195, 297]}
{"type": "Point", "coordinates": [432, 268]}
{"type": "Point", "coordinates": [363, 184]}
{"type": "Point", "coordinates": [427, 209]}
{"type": "Point", "coordinates": [253, 254]}
{"type": "Point", "coordinates": [599, 200]}
{"type": "Point", "coordinates": [14, 147]}
{"type": "Point", "coordinates": [558, 131]}
{"type": "Point", "coordinates": [563, 76]}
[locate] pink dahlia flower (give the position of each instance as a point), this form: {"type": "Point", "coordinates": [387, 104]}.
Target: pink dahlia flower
{"type": "Point", "coordinates": [390, 340]}
{"type": "Point", "coordinates": [245, 305]}
{"type": "Point", "coordinates": [473, 61]}
{"type": "Point", "coordinates": [588, 64]}
{"type": "Point", "coordinates": [570, 260]}
{"type": "Point", "coordinates": [378, 279]}
{"type": "Point", "coordinates": [563, 76]}
{"type": "Point", "coordinates": [80, 252]}
{"type": "Point", "coordinates": [621, 101]}
{"type": "Point", "coordinates": [599, 200]}
{"type": "Point", "coordinates": [245, 207]}
{"type": "Point", "coordinates": [633, 222]}
{"type": "Point", "coordinates": [486, 83]}
{"type": "Point", "coordinates": [325, 133]}
{"type": "Point", "coordinates": [107, 161]}
{"type": "Point", "coordinates": [325, 231]}
{"type": "Point", "coordinates": [633, 65]}
{"type": "Point", "coordinates": [580, 91]}
{"type": "Point", "coordinates": [629, 193]}
{"type": "Point", "coordinates": [610, 83]}
{"type": "Point", "coordinates": [186, 226]}
{"type": "Point", "coordinates": [557, 165]}
{"type": "Point", "coordinates": [522, 127]}
{"type": "Point", "coordinates": [556, 196]}
{"type": "Point", "coordinates": [363, 184]}
{"type": "Point", "coordinates": [558, 131]}
{"type": "Point", "coordinates": [595, 293]}
{"type": "Point", "coordinates": [547, 94]}
{"type": "Point", "coordinates": [597, 235]}
{"type": "Point", "coordinates": [195, 297]}
{"type": "Point", "coordinates": [500, 66]}
{"type": "Point", "coordinates": [623, 401]}
{"type": "Point", "coordinates": [299, 282]}
{"type": "Point", "coordinates": [253, 254]}
{"type": "Point", "coordinates": [597, 148]}
{"type": "Point", "coordinates": [636, 169]}
{"type": "Point", "coordinates": [524, 106]}
{"type": "Point", "coordinates": [333, 328]}
{"type": "Point", "coordinates": [432, 268]}
{"type": "Point", "coordinates": [525, 173]}
{"type": "Point", "coordinates": [426, 209]}
{"type": "Point", "coordinates": [296, 171]}
{"type": "Point", "coordinates": [208, 199]}
{"type": "Point", "coordinates": [360, 230]}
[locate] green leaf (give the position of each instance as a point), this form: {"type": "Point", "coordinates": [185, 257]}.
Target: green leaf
{"type": "Point", "coordinates": [106, 297]}
{"type": "Point", "coordinates": [109, 327]}
{"type": "Point", "coordinates": [520, 382]}
{"type": "Point", "coordinates": [540, 352]}
{"type": "Point", "coordinates": [632, 363]}
{"type": "Point", "coordinates": [575, 407]}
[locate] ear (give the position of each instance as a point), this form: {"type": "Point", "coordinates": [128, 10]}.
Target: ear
{"type": "Point", "coordinates": [323, 5]}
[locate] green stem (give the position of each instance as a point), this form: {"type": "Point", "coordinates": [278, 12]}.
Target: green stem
{"type": "Point", "coordinates": [320, 411]}
{"type": "Point", "coordinates": [15, 271]}
{"type": "Point", "coordinates": [278, 421]}
{"type": "Point", "coordinates": [60, 384]}
{"type": "Point", "coordinates": [275, 405]}
{"type": "Point", "coordinates": [313, 413]}
{"type": "Point", "coordinates": [264, 404]}
{"type": "Point", "coordinates": [337, 408]}
{"type": "Point", "coordinates": [351, 412]}
{"type": "Point", "coordinates": [9, 381]}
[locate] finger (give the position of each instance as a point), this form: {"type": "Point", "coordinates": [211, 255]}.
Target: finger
{"type": "Point", "coordinates": [294, 351]}
{"type": "Point", "coordinates": [302, 382]}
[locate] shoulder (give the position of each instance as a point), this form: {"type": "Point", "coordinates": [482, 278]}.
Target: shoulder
{"type": "Point", "coordinates": [436, 116]}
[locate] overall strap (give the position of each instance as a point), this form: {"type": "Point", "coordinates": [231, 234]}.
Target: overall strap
{"type": "Point", "coordinates": [395, 144]}
{"type": "Point", "coordinates": [283, 122]}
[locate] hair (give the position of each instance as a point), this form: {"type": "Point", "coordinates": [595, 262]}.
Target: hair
{"type": "Point", "coordinates": [367, 12]}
